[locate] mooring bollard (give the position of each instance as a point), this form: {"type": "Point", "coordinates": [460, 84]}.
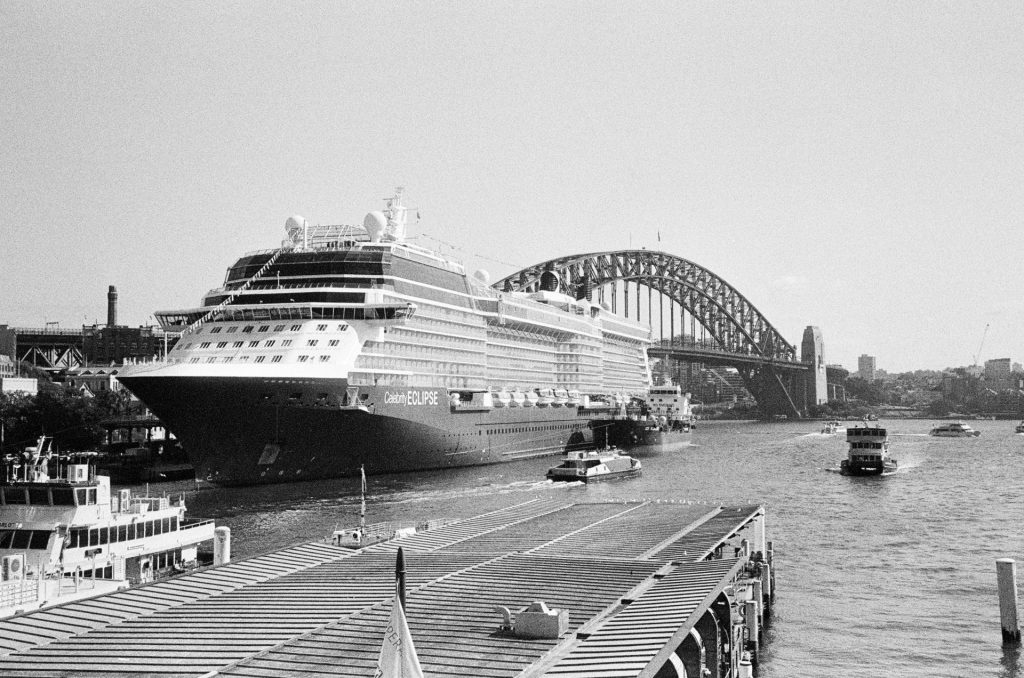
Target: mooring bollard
{"type": "Point", "coordinates": [1006, 576]}
{"type": "Point", "coordinates": [222, 545]}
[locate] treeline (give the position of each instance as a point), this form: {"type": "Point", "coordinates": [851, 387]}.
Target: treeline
{"type": "Point", "coordinates": [72, 419]}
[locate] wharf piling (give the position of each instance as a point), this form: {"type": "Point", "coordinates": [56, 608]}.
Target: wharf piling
{"type": "Point", "coordinates": [1006, 577]}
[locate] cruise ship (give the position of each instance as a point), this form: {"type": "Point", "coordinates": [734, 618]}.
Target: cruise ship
{"type": "Point", "coordinates": [351, 346]}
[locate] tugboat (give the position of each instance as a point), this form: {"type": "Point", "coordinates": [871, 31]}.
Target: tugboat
{"type": "Point", "coordinates": [591, 465]}
{"type": "Point", "coordinates": [956, 429]}
{"type": "Point", "coordinates": [660, 422]}
{"type": "Point", "coordinates": [72, 525]}
{"type": "Point", "coordinates": [868, 454]}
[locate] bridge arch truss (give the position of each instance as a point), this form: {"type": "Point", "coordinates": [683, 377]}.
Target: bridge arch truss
{"type": "Point", "coordinates": [734, 324]}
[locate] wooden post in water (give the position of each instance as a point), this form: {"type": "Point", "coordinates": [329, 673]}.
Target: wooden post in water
{"type": "Point", "coordinates": [1006, 576]}
{"type": "Point", "coordinates": [400, 576]}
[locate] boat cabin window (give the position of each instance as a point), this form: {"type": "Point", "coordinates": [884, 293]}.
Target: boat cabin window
{"type": "Point", "coordinates": [63, 496]}
{"type": "Point", "coordinates": [14, 495]}
{"type": "Point", "coordinates": [24, 539]}
{"type": "Point", "coordinates": [39, 496]}
{"type": "Point", "coordinates": [122, 533]}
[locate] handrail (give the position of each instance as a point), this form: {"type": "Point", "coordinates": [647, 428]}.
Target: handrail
{"type": "Point", "coordinates": [209, 314]}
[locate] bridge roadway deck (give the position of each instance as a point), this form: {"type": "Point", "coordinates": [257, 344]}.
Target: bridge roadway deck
{"type": "Point", "coordinates": [320, 610]}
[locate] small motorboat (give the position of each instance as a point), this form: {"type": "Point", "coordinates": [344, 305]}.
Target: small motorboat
{"type": "Point", "coordinates": [956, 429]}
{"type": "Point", "coordinates": [1020, 427]}
{"type": "Point", "coordinates": [591, 465]}
{"type": "Point", "coordinates": [831, 427]}
{"type": "Point", "coordinates": [868, 452]}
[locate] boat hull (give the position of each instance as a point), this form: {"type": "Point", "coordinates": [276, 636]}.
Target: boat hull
{"type": "Point", "coordinates": [246, 431]}
{"type": "Point", "coordinates": [641, 437]}
{"type": "Point", "coordinates": [871, 468]}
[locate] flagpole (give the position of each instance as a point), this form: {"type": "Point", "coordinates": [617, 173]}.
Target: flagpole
{"type": "Point", "coordinates": [362, 503]}
{"type": "Point", "coordinates": [400, 576]}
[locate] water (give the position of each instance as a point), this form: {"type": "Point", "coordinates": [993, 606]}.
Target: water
{"type": "Point", "coordinates": [889, 576]}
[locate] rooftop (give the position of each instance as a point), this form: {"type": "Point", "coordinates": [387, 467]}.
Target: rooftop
{"type": "Point", "coordinates": [320, 610]}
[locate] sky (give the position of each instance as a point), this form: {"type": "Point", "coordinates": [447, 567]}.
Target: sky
{"type": "Point", "coordinates": [854, 166]}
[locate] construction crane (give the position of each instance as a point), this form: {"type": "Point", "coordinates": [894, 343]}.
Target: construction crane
{"type": "Point", "coordinates": [983, 335]}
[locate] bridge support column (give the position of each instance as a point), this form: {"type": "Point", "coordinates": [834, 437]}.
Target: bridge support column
{"type": "Point", "coordinates": [812, 352]}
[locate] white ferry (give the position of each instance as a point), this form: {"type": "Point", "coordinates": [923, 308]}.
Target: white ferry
{"type": "Point", "coordinates": [956, 429]}
{"type": "Point", "coordinates": [71, 524]}
{"type": "Point", "coordinates": [868, 452]}
{"type": "Point", "coordinates": [350, 346]}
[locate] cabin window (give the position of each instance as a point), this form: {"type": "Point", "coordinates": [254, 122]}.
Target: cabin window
{"type": "Point", "coordinates": [92, 495]}
{"type": "Point", "coordinates": [122, 533]}
{"type": "Point", "coordinates": [174, 523]}
{"type": "Point", "coordinates": [237, 344]}
{"type": "Point", "coordinates": [167, 524]}
{"type": "Point", "coordinates": [39, 496]}
{"type": "Point", "coordinates": [5, 538]}
{"type": "Point", "coordinates": [296, 328]}
{"type": "Point", "coordinates": [232, 329]}
{"type": "Point", "coordinates": [149, 528]}
{"type": "Point", "coordinates": [321, 328]}
{"type": "Point", "coordinates": [332, 342]}
{"type": "Point", "coordinates": [103, 535]}
{"type": "Point", "coordinates": [247, 329]}
{"type": "Point", "coordinates": [260, 358]}
{"type": "Point", "coordinates": [158, 527]}
{"type": "Point", "coordinates": [324, 358]}
{"type": "Point", "coordinates": [21, 539]}
{"type": "Point", "coordinates": [63, 496]}
{"type": "Point", "coordinates": [269, 343]}
{"type": "Point", "coordinates": [276, 359]}
{"type": "Point", "coordinates": [286, 342]}
{"type": "Point", "coordinates": [253, 344]}
{"type": "Point", "coordinates": [94, 537]}
{"type": "Point", "coordinates": [140, 530]}
{"type": "Point", "coordinates": [15, 495]}
{"type": "Point", "coordinates": [311, 342]}
{"type": "Point", "coordinates": [205, 344]}
{"type": "Point", "coordinates": [221, 344]}
{"type": "Point", "coordinates": [214, 330]}
{"type": "Point", "coordinates": [279, 328]}
{"type": "Point", "coordinates": [264, 328]}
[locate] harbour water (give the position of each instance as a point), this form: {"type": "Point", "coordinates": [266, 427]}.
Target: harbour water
{"type": "Point", "coordinates": [889, 576]}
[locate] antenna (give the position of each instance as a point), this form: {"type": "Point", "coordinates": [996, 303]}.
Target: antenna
{"type": "Point", "coordinates": [983, 335]}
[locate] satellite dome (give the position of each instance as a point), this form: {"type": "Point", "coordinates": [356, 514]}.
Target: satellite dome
{"type": "Point", "coordinates": [294, 223]}
{"type": "Point", "coordinates": [374, 223]}
{"type": "Point", "coordinates": [483, 276]}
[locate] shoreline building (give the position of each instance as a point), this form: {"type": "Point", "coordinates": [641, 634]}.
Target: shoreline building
{"type": "Point", "coordinates": [866, 367]}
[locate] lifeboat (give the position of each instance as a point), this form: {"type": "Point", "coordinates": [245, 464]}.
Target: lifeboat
{"type": "Point", "coordinates": [518, 399]}
{"type": "Point", "coordinates": [561, 397]}
{"type": "Point", "coordinates": [501, 399]}
{"type": "Point", "coordinates": [531, 399]}
{"type": "Point", "coordinates": [546, 397]}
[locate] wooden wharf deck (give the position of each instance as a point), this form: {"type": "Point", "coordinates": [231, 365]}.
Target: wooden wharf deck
{"type": "Point", "coordinates": [636, 579]}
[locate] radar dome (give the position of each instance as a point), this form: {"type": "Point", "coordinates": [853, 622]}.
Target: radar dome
{"type": "Point", "coordinates": [294, 223]}
{"type": "Point", "coordinates": [374, 223]}
{"type": "Point", "coordinates": [483, 276]}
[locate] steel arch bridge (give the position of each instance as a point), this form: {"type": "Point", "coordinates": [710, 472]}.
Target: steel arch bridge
{"type": "Point", "coordinates": [739, 334]}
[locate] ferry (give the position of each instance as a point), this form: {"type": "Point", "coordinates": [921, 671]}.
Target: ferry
{"type": "Point", "coordinates": [659, 421]}
{"type": "Point", "coordinates": [72, 525]}
{"type": "Point", "coordinates": [351, 346]}
{"type": "Point", "coordinates": [591, 465]}
{"type": "Point", "coordinates": [868, 452]}
{"type": "Point", "coordinates": [956, 429]}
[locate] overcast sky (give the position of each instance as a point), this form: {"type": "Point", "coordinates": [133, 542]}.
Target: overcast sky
{"type": "Point", "coordinates": [855, 166]}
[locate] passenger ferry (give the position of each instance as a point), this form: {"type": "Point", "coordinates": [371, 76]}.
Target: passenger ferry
{"type": "Point", "coordinates": [591, 465]}
{"type": "Point", "coordinates": [868, 452]}
{"type": "Point", "coordinates": [956, 429]}
{"type": "Point", "coordinates": [350, 346]}
{"type": "Point", "coordinates": [72, 525]}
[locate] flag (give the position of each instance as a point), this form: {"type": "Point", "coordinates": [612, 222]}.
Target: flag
{"type": "Point", "coordinates": [397, 655]}
{"type": "Point", "coordinates": [659, 236]}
